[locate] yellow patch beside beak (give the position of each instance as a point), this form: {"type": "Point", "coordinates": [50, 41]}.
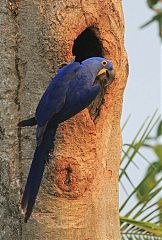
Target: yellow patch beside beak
{"type": "Point", "coordinates": [103, 70]}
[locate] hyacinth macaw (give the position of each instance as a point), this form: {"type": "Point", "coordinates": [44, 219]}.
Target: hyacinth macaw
{"type": "Point", "coordinates": [70, 91]}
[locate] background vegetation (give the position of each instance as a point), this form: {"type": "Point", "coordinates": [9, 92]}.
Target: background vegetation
{"type": "Point", "coordinates": [141, 211]}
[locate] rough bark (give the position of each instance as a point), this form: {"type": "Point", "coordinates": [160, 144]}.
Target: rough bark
{"type": "Point", "coordinates": [78, 198]}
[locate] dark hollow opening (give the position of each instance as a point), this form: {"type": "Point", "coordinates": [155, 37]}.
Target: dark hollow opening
{"type": "Point", "coordinates": [87, 45]}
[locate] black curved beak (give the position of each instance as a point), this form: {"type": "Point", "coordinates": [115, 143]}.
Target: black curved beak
{"type": "Point", "coordinates": [105, 77]}
{"type": "Point", "coordinates": [110, 76]}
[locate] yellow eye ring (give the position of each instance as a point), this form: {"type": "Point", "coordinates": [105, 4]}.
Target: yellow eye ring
{"type": "Point", "coordinates": [104, 63]}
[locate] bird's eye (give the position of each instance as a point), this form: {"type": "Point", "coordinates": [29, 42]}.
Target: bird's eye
{"type": "Point", "coordinates": [104, 63]}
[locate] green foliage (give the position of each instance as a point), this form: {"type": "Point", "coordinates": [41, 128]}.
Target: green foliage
{"type": "Point", "coordinates": [152, 3]}
{"type": "Point", "coordinates": [150, 181]}
{"type": "Point", "coordinates": [159, 130]}
{"type": "Point", "coordinates": [155, 168]}
{"type": "Point", "coordinates": [140, 229]}
{"type": "Point", "coordinates": [156, 6]}
{"type": "Point", "coordinates": [143, 220]}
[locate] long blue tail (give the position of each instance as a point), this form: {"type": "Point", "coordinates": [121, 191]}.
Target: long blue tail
{"type": "Point", "coordinates": [40, 158]}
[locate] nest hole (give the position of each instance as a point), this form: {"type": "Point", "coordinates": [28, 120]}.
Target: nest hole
{"type": "Point", "coordinates": [87, 45]}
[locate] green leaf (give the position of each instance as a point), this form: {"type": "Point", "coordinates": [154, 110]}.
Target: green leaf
{"type": "Point", "coordinates": [160, 25]}
{"type": "Point", "coordinates": [142, 134]}
{"type": "Point", "coordinates": [125, 123]}
{"type": "Point", "coordinates": [151, 3]}
{"type": "Point", "coordinates": [158, 18]}
{"type": "Point", "coordinates": [154, 18]}
{"type": "Point", "coordinates": [144, 219]}
{"type": "Point", "coordinates": [158, 151]}
{"type": "Point", "coordinates": [159, 130]}
{"type": "Point", "coordinates": [148, 228]}
{"type": "Point", "coordinates": [160, 207]}
{"type": "Point", "coordinates": [143, 191]}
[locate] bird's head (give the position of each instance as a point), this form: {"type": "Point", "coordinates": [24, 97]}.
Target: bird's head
{"type": "Point", "coordinates": [101, 68]}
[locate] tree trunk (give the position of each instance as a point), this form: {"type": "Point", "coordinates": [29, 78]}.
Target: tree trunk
{"type": "Point", "coordinates": [78, 198]}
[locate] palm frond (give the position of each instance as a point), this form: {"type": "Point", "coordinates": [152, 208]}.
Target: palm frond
{"type": "Point", "coordinates": [126, 121]}
{"type": "Point", "coordinates": [136, 144]}
{"type": "Point", "coordinates": [142, 215]}
{"type": "Point", "coordinates": [142, 228]}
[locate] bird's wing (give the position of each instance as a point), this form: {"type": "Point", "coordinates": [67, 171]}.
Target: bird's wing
{"type": "Point", "coordinates": [54, 97]}
{"type": "Point", "coordinates": [78, 100]}
{"type": "Point", "coordinates": [88, 94]}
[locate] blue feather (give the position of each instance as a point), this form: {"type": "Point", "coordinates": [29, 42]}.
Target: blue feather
{"type": "Point", "coordinates": [40, 158]}
{"type": "Point", "coordinates": [54, 97]}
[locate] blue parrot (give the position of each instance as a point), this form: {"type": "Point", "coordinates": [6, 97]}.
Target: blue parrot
{"type": "Point", "coordinates": [70, 91]}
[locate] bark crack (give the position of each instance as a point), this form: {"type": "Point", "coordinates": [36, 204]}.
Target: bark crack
{"type": "Point", "coordinates": [2, 133]}
{"type": "Point", "coordinates": [68, 176]}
